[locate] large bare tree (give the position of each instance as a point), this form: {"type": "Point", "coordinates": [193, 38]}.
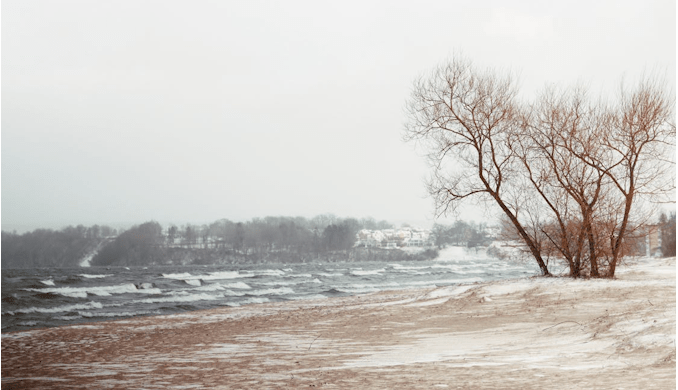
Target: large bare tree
{"type": "Point", "coordinates": [560, 126]}
{"type": "Point", "coordinates": [467, 120]}
{"type": "Point", "coordinates": [565, 171]}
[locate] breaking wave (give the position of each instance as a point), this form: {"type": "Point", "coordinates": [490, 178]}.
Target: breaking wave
{"type": "Point", "coordinates": [101, 291]}
{"type": "Point", "coordinates": [58, 309]}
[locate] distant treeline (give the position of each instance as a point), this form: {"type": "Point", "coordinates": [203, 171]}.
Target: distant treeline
{"type": "Point", "coordinates": [52, 248]}
{"type": "Point", "coordinates": [270, 239]}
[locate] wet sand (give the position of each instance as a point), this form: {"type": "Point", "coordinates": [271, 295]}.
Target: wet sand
{"type": "Point", "coordinates": [534, 333]}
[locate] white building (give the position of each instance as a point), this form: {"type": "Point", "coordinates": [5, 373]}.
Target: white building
{"type": "Point", "coordinates": [394, 238]}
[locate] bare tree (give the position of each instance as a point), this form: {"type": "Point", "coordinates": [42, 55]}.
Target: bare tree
{"type": "Point", "coordinates": [635, 158]}
{"type": "Point", "coordinates": [557, 129]}
{"type": "Point", "coordinates": [467, 118]}
{"type": "Point", "coordinates": [566, 171]}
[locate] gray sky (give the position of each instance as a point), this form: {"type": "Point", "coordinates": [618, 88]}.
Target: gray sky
{"type": "Point", "coordinates": [192, 111]}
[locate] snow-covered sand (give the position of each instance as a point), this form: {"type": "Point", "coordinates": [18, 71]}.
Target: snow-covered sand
{"type": "Point", "coordinates": [553, 333]}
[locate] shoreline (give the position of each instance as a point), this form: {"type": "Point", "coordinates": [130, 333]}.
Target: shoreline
{"type": "Point", "coordinates": [519, 333]}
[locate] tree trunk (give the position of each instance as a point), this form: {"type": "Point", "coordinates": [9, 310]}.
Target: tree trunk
{"type": "Point", "coordinates": [536, 253]}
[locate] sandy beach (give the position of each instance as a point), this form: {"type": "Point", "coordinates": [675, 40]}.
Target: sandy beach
{"type": "Point", "coordinates": [532, 333]}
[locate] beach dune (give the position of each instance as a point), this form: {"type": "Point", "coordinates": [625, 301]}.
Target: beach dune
{"type": "Point", "coordinates": [531, 333]}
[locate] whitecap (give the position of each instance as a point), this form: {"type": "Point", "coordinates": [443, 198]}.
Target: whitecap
{"type": "Point", "coordinates": [102, 291]}
{"type": "Point", "coordinates": [95, 276]}
{"type": "Point", "coordinates": [86, 314]}
{"type": "Point", "coordinates": [48, 282]}
{"type": "Point", "coordinates": [223, 286]}
{"type": "Point", "coordinates": [184, 275]}
{"type": "Point", "coordinates": [329, 274]}
{"type": "Point", "coordinates": [370, 272]}
{"type": "Point", "coordinates": [180, 298]}
{"type": "Point", "coordinates": [407, 267]}
{"type": "Point", "coordinates": [232, 293]}
{"type": "Point", "coordinates": [272, 291]}
{"type": "Point", "coordinates": [58, 309]}
{"type": "Point", "coordinates": [470, 269]}
{"type": "Point", "coordinates": [211, 276]}
{"type": "Point", "coordinates": [268, 272]}
{"type": "Point", "coordinates": [193, 282]}
{"type": "Point", "coordinates": [180, 292]}
{"type": "Point", "coordinates": [223, 275]}
{"type": "Point", "coordinates": [239, 285]}
{"type": "Point", "coordinates": [280, 283]}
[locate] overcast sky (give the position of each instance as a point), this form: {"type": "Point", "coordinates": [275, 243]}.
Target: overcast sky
{"type": "Point", "coordinates": [191, 111]}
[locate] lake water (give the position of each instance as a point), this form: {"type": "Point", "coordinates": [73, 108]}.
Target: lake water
{"type": "Point", "coordinates": [47, 297]}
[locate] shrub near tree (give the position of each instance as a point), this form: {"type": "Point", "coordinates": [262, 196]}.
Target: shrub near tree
{"type": "Point", "coordinates": [569, 174]}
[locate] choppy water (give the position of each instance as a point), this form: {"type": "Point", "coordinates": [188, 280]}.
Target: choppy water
{"type": "Point", "coordinates": [49, 297]}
